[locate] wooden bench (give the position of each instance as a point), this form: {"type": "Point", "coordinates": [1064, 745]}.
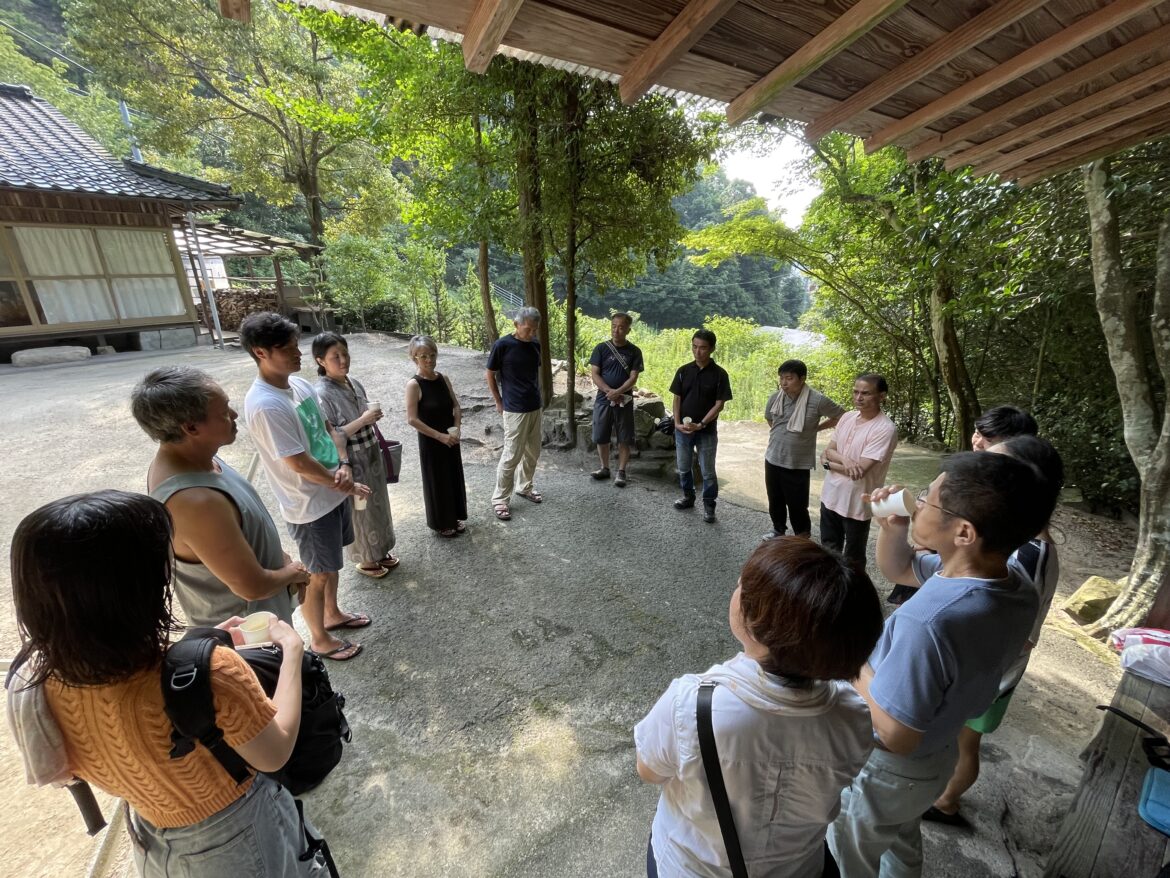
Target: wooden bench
{"type": "Point", "coordinates": [1102, 835]}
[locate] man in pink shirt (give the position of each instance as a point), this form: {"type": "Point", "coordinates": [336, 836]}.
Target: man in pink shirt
{"type": "Point", "coordinates": [857, 460]}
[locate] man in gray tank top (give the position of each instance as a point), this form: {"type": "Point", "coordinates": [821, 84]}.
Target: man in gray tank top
{"type": "Point", "coordinates": [228, 557]}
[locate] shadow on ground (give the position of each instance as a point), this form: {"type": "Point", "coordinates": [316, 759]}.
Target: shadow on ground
{"type": "Point", "coordinates": [492, 709]}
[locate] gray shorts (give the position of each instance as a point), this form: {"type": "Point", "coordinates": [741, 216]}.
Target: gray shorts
{"type": "Point", "coordinates": [320, 542]}
{"type": "Point", "coordinates": [257, 835]}
{"type": "Point", "coordinates": [609, 418]}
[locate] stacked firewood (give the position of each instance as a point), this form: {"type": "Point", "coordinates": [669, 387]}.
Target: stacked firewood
{"type": "Point", "coordinates": [238, 302]}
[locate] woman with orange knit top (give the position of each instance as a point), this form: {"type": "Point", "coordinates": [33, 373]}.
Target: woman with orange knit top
{"type": "Point", "coordinates": [91, 584]}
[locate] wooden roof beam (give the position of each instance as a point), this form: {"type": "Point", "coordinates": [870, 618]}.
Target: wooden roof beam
{"type": "Point", "coordinates": [683, 32]}
{"type": "Point", "coordinates": [1085, 106]}
{"type": "Point", "coordinates": [863, 16]}
{"type": "Point", "coordinates": [1139, 108]}
{"type": "Point", "coordinates": [1152, 127]}
{"type": "Point", "coordinates": [237, 10]}
{"type": "Point", "coordinates": [1094, 25]}
{"type": "Point", "coordinates": [958, 41]}
{"type": "Point", "coordinates": [489, 21]}
{"type": "Point", "coordinates": [1142, 47]}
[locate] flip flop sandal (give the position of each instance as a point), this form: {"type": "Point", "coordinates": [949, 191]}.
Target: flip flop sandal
{"type": "Point", "coordinates": [449, 533]}
{"type": "Point", "coordinates": [502, 512]}
{"type": "Point", "coordinates": [533, 496]}
{"type": "Point", "coordinates": [461, 527]}
{"type": "Point", "coordinates": [335, 655]}
{"type": "Point", "coordinates": [355, 620]}
{"type": "Point", "coordinates": [390, 561]}
{"type": "Point", "coordinates": [374, 573]}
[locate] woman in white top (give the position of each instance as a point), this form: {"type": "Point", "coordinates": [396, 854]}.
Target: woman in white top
{"type": "Point", "coordinates": [790, 732]}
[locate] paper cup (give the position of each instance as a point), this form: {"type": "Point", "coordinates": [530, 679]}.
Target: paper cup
{"type": "Point", "coordinates": [687, 421]}
{"type": "Point", "coordinates": [453, 431]}
{"type": "Point", "coordinates": [359, 503]}
{"type": "Point", "coordinates": [899, 503]}
{"type": "Point", "coordinates": [255, 627]}
{"type": "Point", "coordinates": [374, 406]}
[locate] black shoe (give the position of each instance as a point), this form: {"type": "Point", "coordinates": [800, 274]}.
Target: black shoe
{"type": "Point", "coordinates": [686, 502]}
{"type": "Point", "coordinates": [601, 474]}
{"type": "Point", "coordinates": [934, 815]}
{"type": "Point", "coordinates": [709, 514]}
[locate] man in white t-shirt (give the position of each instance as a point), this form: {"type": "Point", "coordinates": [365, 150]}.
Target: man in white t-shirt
{"type": "Point", "coordinates": [310, 479]}
{"type": "Point", "coordinates": [857, 460]}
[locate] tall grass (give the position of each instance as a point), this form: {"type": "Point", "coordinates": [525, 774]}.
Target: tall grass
{"type": "Point", "coordinates": [750, 356]}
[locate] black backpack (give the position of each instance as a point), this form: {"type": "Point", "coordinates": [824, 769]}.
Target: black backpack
{"type": "Point", "coordinates": [186, 686]}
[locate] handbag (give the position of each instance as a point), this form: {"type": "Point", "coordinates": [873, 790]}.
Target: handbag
{"type": "Point", "coordinates": [709, 753]}
{"type": "Point", "coordinates": [391, 455]}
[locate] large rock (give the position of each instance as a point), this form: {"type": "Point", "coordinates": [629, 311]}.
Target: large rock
{"type": "Point", "coordinates": [651, 405]}
{"type": "Point", "coordinates": [1092, 600]}
{"type": "Point", "coordinates": [557, 403]}
{"type": "Point", "coordinates": [48, 356]}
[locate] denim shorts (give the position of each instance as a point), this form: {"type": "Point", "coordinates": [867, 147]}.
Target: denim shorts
{"type": "Point", "coordinates": [320, 542]}
{"type": "Point", "coordinates": [607, 417]}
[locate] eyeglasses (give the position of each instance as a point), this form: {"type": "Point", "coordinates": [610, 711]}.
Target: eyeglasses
{"type": "Point", "coordinates": [922, 501]}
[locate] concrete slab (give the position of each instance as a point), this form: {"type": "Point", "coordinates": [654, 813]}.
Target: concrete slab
{"type": "Point", "coordinates": [49, 355]}
{"type": "Point", "coordinates": [492, 709]}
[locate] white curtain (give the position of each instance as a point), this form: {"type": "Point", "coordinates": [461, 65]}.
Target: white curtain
{"type": "Point", "coordinates": [149, 297]}
{"type": "Point", "coordinates": [58, 252]}
{"type": "Point", "coordinates": [74, 301]}
{"type": "Point", "coordinates": [136, 251]}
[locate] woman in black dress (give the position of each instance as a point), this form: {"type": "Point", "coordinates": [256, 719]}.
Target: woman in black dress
{"type": "Point", "coordinates": [433, 410]}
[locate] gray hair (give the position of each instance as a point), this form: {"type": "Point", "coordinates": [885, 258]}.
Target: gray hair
{"type": "Point", "coordinates": [422, 343]}
{"type": "Point", "coordinates": [169, 398]}
{"type": "Point", "coordinates": [527, 314]}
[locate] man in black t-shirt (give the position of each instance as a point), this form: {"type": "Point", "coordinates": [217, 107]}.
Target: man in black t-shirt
{"type": "Point", "coordinates": [700, 389]}
{"type": "Point", "coordinates": [513, 377]}
{"type": "Point", "coordinates": [615, 366]}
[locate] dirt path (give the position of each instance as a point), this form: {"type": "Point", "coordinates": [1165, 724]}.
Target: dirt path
{"type": "Point", "coordinates": [493, 709]}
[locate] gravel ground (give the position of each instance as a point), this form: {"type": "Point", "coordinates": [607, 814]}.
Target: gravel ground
{"type": "Point", "coordinates": [492, 709]}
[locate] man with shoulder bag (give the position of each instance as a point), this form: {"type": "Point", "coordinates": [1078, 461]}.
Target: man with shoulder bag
{"type": "Point", "coordinates": [615, 366]}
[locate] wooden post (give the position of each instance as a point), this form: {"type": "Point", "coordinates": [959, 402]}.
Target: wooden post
{"type": "Point", "coordinates": [1102, 833]}
{"type": "Point", "coordinates": [202, 295]}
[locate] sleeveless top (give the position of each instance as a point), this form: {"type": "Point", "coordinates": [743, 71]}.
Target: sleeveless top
{"type": "Point", "coordinates": [435, 406]}
{"type": "Point", "coordinates": [205, 600]}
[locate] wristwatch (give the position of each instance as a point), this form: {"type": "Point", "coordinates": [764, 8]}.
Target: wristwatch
{"type": "Point", "coordinates": [342, 463]}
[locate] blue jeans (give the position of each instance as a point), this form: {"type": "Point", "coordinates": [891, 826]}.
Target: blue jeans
{"type": "Point", "coordinates": [686, 446]}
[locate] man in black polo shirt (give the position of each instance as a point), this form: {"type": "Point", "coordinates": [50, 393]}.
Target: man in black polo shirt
{"type": "Point", "coordinates": [513, 377]}
{"type": "Point", "coordinates": [700, 389]}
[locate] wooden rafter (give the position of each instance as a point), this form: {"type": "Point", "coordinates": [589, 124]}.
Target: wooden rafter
{"type": "Point", "coordinates": [237, 10]}
{"type": "Point", "coordinates": [1101, 123]}
{"type": "Point", "coordinates": [862, 17]}
{"type": "Point", "coordinates": [674, 42]}
{"type": "Point", "coordinates": [1099, 22]}
{"type": "Point", "coordinates": [1144, 46]}
{"type": "Point", "coordinates": [1151, 127]}
{"type": "Point", "coordinates": [1123, 90]}
{"type": "Point", "coordinates": [485, 31]}
{"type": "Point", "coordinates": [958, 41]}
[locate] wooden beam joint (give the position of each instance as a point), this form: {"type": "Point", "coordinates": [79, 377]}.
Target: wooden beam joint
{"type": "Point", "coordinates": [489, 22]}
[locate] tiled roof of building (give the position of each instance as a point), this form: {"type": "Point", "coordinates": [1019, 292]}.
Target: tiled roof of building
{"type": "Point", "coordinates": [42, 150]}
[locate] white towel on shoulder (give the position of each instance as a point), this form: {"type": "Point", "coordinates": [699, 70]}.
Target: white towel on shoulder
{"type": "Point", "coordinates": [38, 737]}
{"type": "Point", "coordinates": [796, 419]}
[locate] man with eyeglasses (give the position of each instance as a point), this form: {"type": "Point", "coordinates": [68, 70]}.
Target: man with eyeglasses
{"type": "Point", "coordinates": [941, 656]}
{"type": "Point", "coordinates": [857, 460]}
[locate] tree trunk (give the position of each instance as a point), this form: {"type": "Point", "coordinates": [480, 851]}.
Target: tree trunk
{"type": "Point", "coordinates": [1146, 425]}
{"type": "Point", "coordinates": [574, 123]}
{"type": "Point", "coordinates": [491, 332]}
{"type": "Point", "coordinates": [964, 402]}
{"type": "Point", "coordinates": [531, 236]}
